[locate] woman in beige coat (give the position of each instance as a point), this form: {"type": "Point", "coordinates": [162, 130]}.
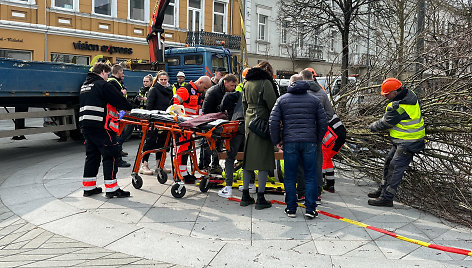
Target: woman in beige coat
{"type": "Point", "coordinates": [258, 151]}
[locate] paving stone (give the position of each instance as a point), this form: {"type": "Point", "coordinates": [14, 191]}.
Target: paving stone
{"type": "Point", "coordinates": [50, 263]}
{"type": "Point", "coordinates": [224, 230]}
{"type": "Point", "coordinates": [338, 247]}
{"type": "Point", "coordinates": [396, 249]}
{"type": "Point", "coordinates": [280, 230]}
{"type": "Point", "coordinates": [30, 257]}
{"type": "Point", "coordinates": [8, 252]}
{"type": "Point", "coordinates": [10, 264]}
{"type": "Point", "coordinates": [39, 240]}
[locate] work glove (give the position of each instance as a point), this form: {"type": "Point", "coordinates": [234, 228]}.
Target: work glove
{"type": "Point", "coordinates": [121, 114]}
{"type": "Point", "coordinates": [372, 127]}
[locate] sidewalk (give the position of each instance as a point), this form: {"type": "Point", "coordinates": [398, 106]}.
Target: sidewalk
{"type": "Point", "coordinates": [45, 221]}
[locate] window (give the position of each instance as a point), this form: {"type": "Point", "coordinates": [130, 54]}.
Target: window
{"type": "Point", "coordinates": [283, 32]}
{"type": "Point", "coordinates": [16, 54]}
{"type": "Point", "coordinates": [136, 9]}
{"type": "Point", "coordinates": [103, 7]}
{"type": "Point", "coordinates": [219, 17]}
{"type": "Point", "coordinates": [66, 58]}
{"type": "Point", "coordinates": [170, 17]}
{"type": "Point", "coordinates": [173, 61]}
{"type": "Point", "coordinates": [331, 45]}
{"type": "Point", "coordinates": [65, 4]}
{"type": "Point", "coordinates": [262, 32]}
{"type": "Point", "coordinates": [194, 15]}
{"type": "Point", "coordinates": [193, 60]}
{"type": "Point", "coordinates": [218, 61]}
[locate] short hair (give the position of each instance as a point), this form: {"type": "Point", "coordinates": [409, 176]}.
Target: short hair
{"type": "Point", "coordinates": [307, 75]}
{"type": "Point", "coordinates": [230, 78]}
{"type": "Point", "coordinates": [99, 67]}
{"type": "Point", "coordinates": [265, 65]}
{"type": "Point", "coordinates": [116, 69]}
{"type": "Point", "coordinates": [295, 77]}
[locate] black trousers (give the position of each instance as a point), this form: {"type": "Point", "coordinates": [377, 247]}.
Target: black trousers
{"type": "Point", "coordinates": [100, 143]}
{"type": "Point", "coordinates": [154, 139]}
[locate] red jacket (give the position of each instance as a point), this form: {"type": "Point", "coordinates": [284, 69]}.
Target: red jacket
{"type": "Point", "coordinates": [188, 96]}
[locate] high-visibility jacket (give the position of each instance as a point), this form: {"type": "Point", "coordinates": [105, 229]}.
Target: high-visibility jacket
{"type": "Point", "coordinates": [189, 97]}
{"type": "Point", "coordinates": [111, 120]}
{"type": "Point", "coordinates": [408, 129]}
{"type": "Point", "coordinates": [176, 85]}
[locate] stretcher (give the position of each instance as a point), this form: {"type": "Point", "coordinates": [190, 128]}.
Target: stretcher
{"type": "Point", "coordinates": [177, 124]}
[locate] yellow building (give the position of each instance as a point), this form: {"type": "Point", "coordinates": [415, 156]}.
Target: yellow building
{"type": "Point", "coordinates": [75, 31]}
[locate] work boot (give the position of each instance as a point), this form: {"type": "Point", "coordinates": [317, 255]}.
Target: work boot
{"type": "Point", "coordinates": [123, 153]}
{"type": "Point", "coordinates": [118, 193]}
{"type": "Point", "coordinates": [380, 202]}
{"type": "Point", "coordinates": [246, 199]}
{"type": "Point", "coordinates": [261, 203]}
{"type": "Point", "coordinates": [95, 191]}
{"type": "Point", "coordinates": [375, 194]}
{"type": "Point", "coordinates": [145, 169]}
{"type": "Point", "coordinates": [329, 186]}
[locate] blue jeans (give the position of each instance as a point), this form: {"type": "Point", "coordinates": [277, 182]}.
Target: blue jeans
{"type": "Point", "coordinates": [293, 151]}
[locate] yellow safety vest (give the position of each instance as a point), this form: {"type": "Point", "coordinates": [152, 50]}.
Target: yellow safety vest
{"type": "Point", "coordinates": [408, 130]}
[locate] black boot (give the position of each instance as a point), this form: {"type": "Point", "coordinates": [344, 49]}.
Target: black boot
{"type": "Point", "coordinates": [246, 199]}
{"type": "Point", "coordinates": [329, 186]}
{"type": "Point", "coordinates": [95, 191]}
{"type": "Point", "coordinates": [118, 193]}
{"type": "Point", "coordinates": [375, 194]}
{"type": "Point", "coordinates": [261, 203]}
{"type": "Point", "coordinates": [380, 202]}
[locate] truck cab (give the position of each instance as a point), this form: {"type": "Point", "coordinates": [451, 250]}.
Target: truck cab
{"type": "Point", "coordinates": [196, 61]}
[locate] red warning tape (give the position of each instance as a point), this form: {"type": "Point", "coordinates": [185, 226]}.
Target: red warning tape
{"type": "Point", "coordinates": [414, 241]}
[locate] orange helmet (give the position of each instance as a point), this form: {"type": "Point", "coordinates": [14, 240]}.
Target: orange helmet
{"type": "Point", "coordinates": [312, 71]}
{"type": "Point", "coordinates": [245, 72]}
{"type": "Point", "coordinates": [389, 85]}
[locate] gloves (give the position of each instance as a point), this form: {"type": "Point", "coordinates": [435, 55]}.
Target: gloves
{"type": "Point", "coordinates": [372, 127]}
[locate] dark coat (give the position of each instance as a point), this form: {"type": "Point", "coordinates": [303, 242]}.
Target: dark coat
{"type": "Point", "coordinates": [213, 97]}
{"type": "Point", "coordinates": [318, 92]}
{"type": "Point", "coordinates": [258, 152]}
{"type": "Point", "coordinates": [159, 97]}
{"type": "Point", "coordinates": [301, 115]}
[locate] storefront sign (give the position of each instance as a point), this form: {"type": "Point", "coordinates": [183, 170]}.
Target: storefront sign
{"type": "Point", "coordinates": [110, 49]}
{"type": "Point", "coordinates": [9, 39]}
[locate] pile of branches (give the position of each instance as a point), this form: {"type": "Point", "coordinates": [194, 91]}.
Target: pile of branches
{"type": "Point", "coordinates": [440, 178]}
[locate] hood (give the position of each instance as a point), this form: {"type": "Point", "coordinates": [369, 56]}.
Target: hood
{"type": "Point", "coordinates": [257, 74]}
{"type": "Point", "coordinates": [298, 87]}
{"type": "Point", "coordinates": [314, 86]}
{"type": "Point", "coordinates": [406, 96]}
{"type": "Point", "coordinates": [92, 77]}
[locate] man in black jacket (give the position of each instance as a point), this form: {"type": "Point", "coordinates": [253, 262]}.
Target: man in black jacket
{"type": "Point", "coordinates": [98, 120]}
{"type": "Point", "coordinates": [211, 104]}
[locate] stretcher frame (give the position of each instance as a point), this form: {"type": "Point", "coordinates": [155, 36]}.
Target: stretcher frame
{"type": "Point", "coordinates": [226, 131]}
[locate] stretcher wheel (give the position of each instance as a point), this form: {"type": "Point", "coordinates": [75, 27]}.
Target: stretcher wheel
{"type": "Point", "coordinates": [204, 185]}
{"type": "Point", "coordinates": [137, 181]}
{"type": "Point", "coordinates": [161, 176]}
{"type": "Point", "coordinates": [178, 190]}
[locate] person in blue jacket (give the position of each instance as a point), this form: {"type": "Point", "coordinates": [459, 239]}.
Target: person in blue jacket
{"type": "Point", "coordinates": [297, 125]}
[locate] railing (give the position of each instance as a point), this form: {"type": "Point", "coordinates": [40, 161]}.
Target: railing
{"type": "Point", "coordinates": [213, 39]}
{"type": "Point", "coordinates": [309, 52]}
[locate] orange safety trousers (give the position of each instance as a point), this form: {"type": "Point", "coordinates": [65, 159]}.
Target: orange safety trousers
{"type": "Point", "coordinates": [182, 159]}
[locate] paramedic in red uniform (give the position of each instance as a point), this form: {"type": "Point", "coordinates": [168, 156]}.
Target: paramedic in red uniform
{"type": "Point", "coordinates": [190, 97]}
{"type": "Point", "coordinates": [98, 119]}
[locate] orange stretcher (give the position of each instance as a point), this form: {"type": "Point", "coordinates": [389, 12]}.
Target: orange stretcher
{"type": "Point", "coordinates": [173, 124]}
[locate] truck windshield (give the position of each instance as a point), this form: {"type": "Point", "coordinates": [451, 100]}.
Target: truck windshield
{"type": "Point", "coordinates": [218, 60]}
{"type": "Point", "coordinates": [193, 59]}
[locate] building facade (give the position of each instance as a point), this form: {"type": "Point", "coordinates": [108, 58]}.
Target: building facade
{"type": "Point", "coordinates": [76, 31]}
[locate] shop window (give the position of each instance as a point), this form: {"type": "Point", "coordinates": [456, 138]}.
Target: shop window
{"type": "Point", "coordinates": [219, 17]}
{"type": "Point", "coordinates": [16, 54]}
{"type": "Point", "coordinates": [173, 61]}
{"type": "Point", "coordinates": [170, 15]}
{"type": "Point", "coordinates": [193, 60]}
{"type": "Point", "coordinates": [104, 7]}
{"type": "Point", "coordinates": [67, 58]}
{"type": "Point", "coordinates": [138, 9]}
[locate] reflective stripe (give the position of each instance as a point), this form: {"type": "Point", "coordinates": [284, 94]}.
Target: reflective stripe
{"type": "Point", "coordinates": [113, 125]}
{"type": "Point", "coordinates": [190, 110]}
{"type": "Point", "coordinates": [409, 130]}
{"type": "Point", "coordinates": [395, 140]}
{"type": "Point", "coordinates": [113, 113]}
{"type": "Point", "coordinates": [328, 136]}
{"type": "Point", "coordinates": [328, 170]}
{"type": "Point", "coordinates": [329, 178]}
{"type": "Point", "coordinates": [91, 117]}
{"type": "Point", "coordinates": [409, 123]}
{"type": "Point", "coordinates": [178, 98]}
{"type": "Point", "coordinates": [338, 124]}
{"type": "Point", "coordinates": [88, 188]}
{"type": "Point", "coordinates": [334, 117]}
{"type": "Point", "coordinates": [111, 181]}
{"type": "Point", "coordinates": [111, 188]}
{"type": "Point", "coordinates": [90, 179]}
{"type": "Point", "coordinates": [92, 108]}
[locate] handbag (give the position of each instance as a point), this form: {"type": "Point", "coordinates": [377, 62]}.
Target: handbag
{"type": "Point", "coordinates": [258, 125]}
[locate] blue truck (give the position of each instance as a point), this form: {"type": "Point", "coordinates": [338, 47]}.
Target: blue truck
{"type": "Point", "coordinates": [55, 87]}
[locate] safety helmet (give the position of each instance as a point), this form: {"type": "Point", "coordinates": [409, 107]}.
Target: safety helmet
{"type": "Point", "coordinates": [311, 70]}
{"type": "Point", "coordinates": [180, 74]}
{"type": "Point", "coordinates": [389, 85]}
{"type": "Point", "coordinates": [245, 72]}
